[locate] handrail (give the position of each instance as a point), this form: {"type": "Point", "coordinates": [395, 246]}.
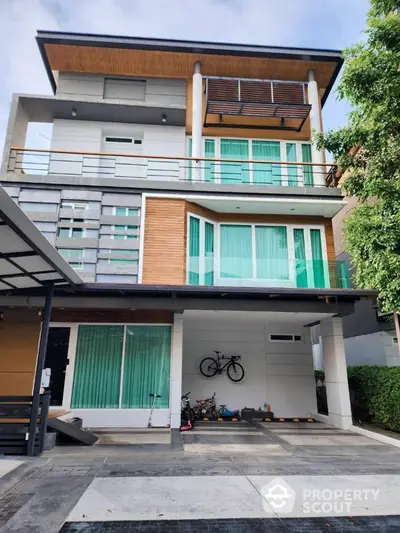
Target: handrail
{"type": "Point", "coordinates": [173, 158]}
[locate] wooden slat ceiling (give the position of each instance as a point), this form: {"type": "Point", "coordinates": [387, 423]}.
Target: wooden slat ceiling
{"type": "Point", "coordinates": [128, 62]}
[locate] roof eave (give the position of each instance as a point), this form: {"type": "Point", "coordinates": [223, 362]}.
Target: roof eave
{"type": "Point", "coordinates": [196, 47]}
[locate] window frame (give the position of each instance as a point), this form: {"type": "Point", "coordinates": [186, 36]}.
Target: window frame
{"type": "Point", "coordinates": [126, 211]}
{"type": "Point", "coordinates": [75, 206]}
{"type": "Point", "coordinates": [291, 340]}
{"type": "Point", "coordinates": [202, 257]}
{"type": "Point", "coordinates": [76, 265]}
{"type": "Point", "coordinates": [255, 281]}
{"type": "Point", "coordinates": [283, 158]}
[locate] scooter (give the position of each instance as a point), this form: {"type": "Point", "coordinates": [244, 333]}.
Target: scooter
{"type": "Point", "coordinates": [154, 396]}
{"type": "Point", "coordinates": [187, 414]}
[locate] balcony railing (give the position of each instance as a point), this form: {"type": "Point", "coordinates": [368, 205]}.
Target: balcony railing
{"type": "Point", "coordinates": [167, 168]}
{"type": "Point", "coordinates": [273, 99]}
{"type": "Point", "coordinates": [273, 272]}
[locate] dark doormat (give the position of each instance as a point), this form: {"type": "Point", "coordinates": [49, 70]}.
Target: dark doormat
{"type": "Point", "coordinates": [362, 524]}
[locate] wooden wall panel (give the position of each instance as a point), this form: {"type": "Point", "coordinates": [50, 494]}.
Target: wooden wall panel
{"type": "Point", "coordinates": [164, 258]}
{"type": "Point", "coordinates": [164, 254]}
{"type": "Point", "coordinates": [19, 338]}
{"type": "Point", "coordinates": [112, 316]}
{"type": "Point", "coordinates": [157, 63]}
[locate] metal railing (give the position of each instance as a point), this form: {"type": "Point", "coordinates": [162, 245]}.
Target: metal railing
{"type": "Point", "coordinates": [167, 168]}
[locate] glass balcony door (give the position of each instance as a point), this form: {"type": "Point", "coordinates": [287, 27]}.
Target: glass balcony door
{"type": "Point", "coordinates": [285, 172]}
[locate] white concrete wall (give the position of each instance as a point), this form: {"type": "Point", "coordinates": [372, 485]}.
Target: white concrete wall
{"type": "Point", "coordinates": [373, 349]}
{"type": "Point", "coordinates": [280, 374]}
{"type": "Point", "coordinates": [159, 92]}
{"type": "Point", "coordinates": [88, 136]}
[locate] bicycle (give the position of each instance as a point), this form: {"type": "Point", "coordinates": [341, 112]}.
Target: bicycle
{"type": "Point", "coordinates": [206, 408]}
{"type": "Point", "coordinates": [210, 366]}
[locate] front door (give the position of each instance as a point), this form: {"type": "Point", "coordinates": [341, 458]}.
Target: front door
{"type": "Point", "coordinates": [57, 361]}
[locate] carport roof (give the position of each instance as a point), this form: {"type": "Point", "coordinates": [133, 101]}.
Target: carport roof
{"type": "Point", "coordinates": [27, 259]}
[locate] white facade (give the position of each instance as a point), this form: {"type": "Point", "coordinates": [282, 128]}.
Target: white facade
{"type": "Point", "coordinates": [147, 91]}
{"type": "Point", "coordinates": [277, 373]}
{"type": "Point", "coordinates": [378, 348]}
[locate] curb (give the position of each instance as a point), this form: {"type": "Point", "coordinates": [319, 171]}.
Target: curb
{"type": "Point", "coordinates": [375, 436]}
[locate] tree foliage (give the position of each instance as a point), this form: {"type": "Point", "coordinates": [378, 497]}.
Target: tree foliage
{"type": "Point", "coordinates": [367, 149]}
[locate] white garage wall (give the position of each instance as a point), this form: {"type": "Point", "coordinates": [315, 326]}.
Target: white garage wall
{"type": "Point", "coordinates": [280, 374]}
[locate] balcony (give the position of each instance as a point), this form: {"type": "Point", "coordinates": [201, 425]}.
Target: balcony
{"type": "Point", "coordinates": [233, 172]}
{"type": "Point", "coordinates": [284, 102]}
{"type": "Point", "coordinates": [274, 272]}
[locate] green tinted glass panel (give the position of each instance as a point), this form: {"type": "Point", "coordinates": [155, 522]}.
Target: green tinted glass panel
{"type": "Point", "coordinates": [266, 173]}
{"type": "Point", "coordinates": [77, 232]}
{"type": "Point", "coordinates": [209, 254]}
{"type": "Point", "coordinates": [235, 173]}
{"type": "Point", "coordinates": [300, 258]}
{"type": "Point", "coordinates": [63, 232]}
{"type": "Point", "coordinates": [291, 155]}
{"type": "Point", "coordinates": [97, 371]}
{"type": "Point", "coordinates": [307, 169]}
{"type": "Point", "coordinates": [146, 367]}
{"type": "Point", "coordinates": [133, 212]}
{"type": "Point", "coordinates": [120, 211]}
{"type": "Point", "coordinates": [317, 259]}
{"type": "Point", "coordinates": [272, 252]}
{"type": "Point", "coordinates": [194, 251]}
{"type": "Point", "coordinates": [235, 252]}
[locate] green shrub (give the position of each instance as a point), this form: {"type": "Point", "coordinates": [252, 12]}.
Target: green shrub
{"type": "Point", "coordinates": [378, 389]}
{"type": "Point", "coordinates": [374, 394]}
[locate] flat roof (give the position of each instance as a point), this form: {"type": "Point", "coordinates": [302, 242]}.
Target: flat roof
{"type": "Point", "coordinates": [194, 48]}
{"type": "Point", "coordinates": [27, 259]}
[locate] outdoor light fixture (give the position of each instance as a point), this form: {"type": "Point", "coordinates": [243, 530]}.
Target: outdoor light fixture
{"type": "Point", "coordinates": [164, 119]}
{"type": "Point", "coordinates": [73, 112]}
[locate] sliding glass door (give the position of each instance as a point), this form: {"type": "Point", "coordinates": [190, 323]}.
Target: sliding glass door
{"type": "Point", "coordinates": [235, 173]}
{"type": "Point", "coordinates": [119, 366]}
{"type": "Point", "coordinates": [293, 174]}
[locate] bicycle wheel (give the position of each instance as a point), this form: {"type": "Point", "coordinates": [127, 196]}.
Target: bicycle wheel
{"type": "Point", "coordinates": [209, 367]}
{"type": "Point", "coordinates": [235, 372]}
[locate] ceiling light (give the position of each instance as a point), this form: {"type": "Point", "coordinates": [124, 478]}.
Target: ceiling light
{"type": "Point", "coordinates": [164, 119]}
{"type": "Point", "coordinates": [73, 112]}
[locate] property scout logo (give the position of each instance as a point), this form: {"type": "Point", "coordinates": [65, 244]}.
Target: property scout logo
{"type": "Point", "coordinates": [280, 498]}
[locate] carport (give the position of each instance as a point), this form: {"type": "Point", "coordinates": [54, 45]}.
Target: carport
{"type": "Point", "coordinates": [27, 261]}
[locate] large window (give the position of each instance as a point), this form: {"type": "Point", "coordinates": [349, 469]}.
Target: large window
{"type": "Point", "coordinates": [120, 366]}
{"type": "Point", "coordinates": [252, 172]}
{"type": "Point", "coordinates": [256, 255]}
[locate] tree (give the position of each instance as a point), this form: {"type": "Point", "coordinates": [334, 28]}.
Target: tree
{"type": "Point", "coordinates": [368, 150]}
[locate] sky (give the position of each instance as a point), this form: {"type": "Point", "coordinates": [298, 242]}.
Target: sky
{"type": "Point", "coordinates": [331, 24]}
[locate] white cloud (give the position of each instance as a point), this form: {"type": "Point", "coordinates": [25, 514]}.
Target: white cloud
{"type": "Point", "coordinates": [311, 23]}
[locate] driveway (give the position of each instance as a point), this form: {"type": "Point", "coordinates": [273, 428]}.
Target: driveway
{"type": "Point", "coordinates": [216, 478]}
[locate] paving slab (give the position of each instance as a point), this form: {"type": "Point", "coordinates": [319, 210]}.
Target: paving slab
{"type": "Point", "coordinates": [150, 498]}
{"type": "Point", "coordinates": [234, 449]}
{"type": "Point", "coordinates": [7, 465]}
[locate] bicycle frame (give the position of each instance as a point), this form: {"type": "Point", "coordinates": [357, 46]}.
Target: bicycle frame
{"type": "Point", "coordinates": [231, 359]}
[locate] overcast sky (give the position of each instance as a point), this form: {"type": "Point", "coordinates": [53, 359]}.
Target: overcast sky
{"type": "Point", "coordinates": [332, 24]}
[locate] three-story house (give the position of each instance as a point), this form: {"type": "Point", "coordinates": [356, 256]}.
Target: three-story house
{"type": "Point", "coordinates": [182, 185]}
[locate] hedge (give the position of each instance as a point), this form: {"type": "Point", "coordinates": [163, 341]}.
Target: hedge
{"type": "Point", "coordinates": [375, 394]}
